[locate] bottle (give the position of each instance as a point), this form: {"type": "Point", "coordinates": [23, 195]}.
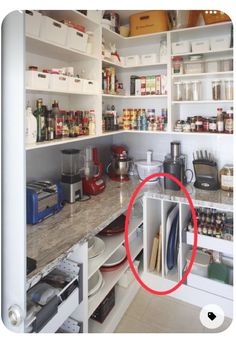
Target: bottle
{"type": "Point", "coordinates": [220, 121]}
{"type": "Point", "coordinates": [58, 120]}
{"type": "Point", "coordinates": [92, 124]}
{"type": "Point", "coordinates": [50, 122]}
{"type": "Point", "coordinates": [31, 126]}
{"type": "Point", "coordinates": [41, 123]}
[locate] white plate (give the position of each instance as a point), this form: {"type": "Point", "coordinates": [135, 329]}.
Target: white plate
{"type": "Point", "coordinates": [169, 221]}
{"type": "Point", "coordinates": [94, 283]}
{"type": "Point", "coordinates": [97, 249]}
{"type": "Point", "coordinates": [116, 257]}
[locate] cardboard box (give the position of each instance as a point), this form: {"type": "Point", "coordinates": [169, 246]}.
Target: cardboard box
{"type": "Point", "coordinates": [148, 22]}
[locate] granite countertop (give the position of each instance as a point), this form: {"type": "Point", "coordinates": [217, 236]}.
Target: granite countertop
{"type": "Point", "coordinates": [55, 238]}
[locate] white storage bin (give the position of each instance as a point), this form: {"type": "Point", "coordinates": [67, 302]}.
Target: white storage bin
{"type": "Point", "coordinates": [132, 60]}
{"type": "Point", "coordinates": [181, 47]}
{"type": "Point", "coordinates": [200, 46]}
{"type": "Point", "coordinates": [77, 40]}
{"type": "Point", "coordinates": [211, 286]}
{"type": "Point", "coordinates": [75, 85]}
{"type": "Point", "coordinates": [226, 65]}
{"type": "Point", "coordinates": [59, 82]}
{"type": "Point", "coordinates": [212, 66]}
{"type": "Point", "coordinates": [32, 22]}
{"type": "Point", "coordinates": [148, 59]}
{"type": "Point", "coordinates": [37, 80]}
{"type": "Point", "coordinates": [127, 277]}
{"type": "Point", "coordinates": [220, 42]}
{"type": "Point", "coordinates": [90, 86]}
{"type": "Point", "coordinates": [53, 31]}
{"type": "Point", "coordinates": [95, 15]}
{"type": "Point", "coordinates": [201, 263]}
{"type": "Point", "coordinates": [194, 67]}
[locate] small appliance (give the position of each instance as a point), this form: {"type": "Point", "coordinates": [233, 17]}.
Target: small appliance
{"type": "Point", "coordinates": [92, 182]}
{"type": "Point", "coordinates": [175, 164]}
{"type": "Point", "coordinates": [148, 167]}
{"type": "Point", "coordinates": [70, 179]}
{"type": "Point", "coordinates": [206, 172]}
{"type": "Point", "coordinates": [43, 199]}
{"type": "Point", "coordinates": [120, 164]}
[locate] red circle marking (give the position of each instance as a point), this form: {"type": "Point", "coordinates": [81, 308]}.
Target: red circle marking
{"type": "Point", "coordinates": [140, 186]}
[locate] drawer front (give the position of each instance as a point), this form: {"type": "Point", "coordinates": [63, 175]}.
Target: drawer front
{"type": "Point", "coordinates": [53, 31]}
{"type": "Point", "coordinates": [32, 22]}
{"type": "Point", "coordinates": [77, 40]}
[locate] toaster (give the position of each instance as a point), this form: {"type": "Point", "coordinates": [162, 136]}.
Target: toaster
{"type": "Point", "coordinates": [43, 198]}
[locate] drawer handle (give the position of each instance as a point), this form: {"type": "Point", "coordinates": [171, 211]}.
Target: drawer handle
{"type": "Point", "coordinates": [79, 34]}
{"type": "Point", "coordinates": [56, 24]}
{"type": "Point", "coordinates": [29, 12]}
{"type": "Point", "coordinates": [145, 17]}
{"type": "Point", "coordinates": [90, 83]}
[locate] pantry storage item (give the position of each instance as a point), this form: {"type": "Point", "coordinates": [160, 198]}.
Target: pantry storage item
{"type": "Point", "coordinates": [148, 22]}
{"type": "Point", "coordinates": [58, 82]}
{"type": "Point", "coordinates": [218, 271]}
{"type": "Point", "coordinates": [30, 126]}
{"type": "Point", "coordinates": [220, 121]}
{"type": "Point", "coordinates": [75, 85]}
{"type": "Point", "coordinates": [53, 31]}
{"type": "Point", "coordinates": [227, 178]}
{"type": "Point", "coordinates": [212, 125]}
{"type": "Point", "coordinates": [228, 89]}
{"type": "Point", "coordinates": [201, 263]}
{"type": "Point", "coordinates": [90, 42]}
{"type": "Point", "coordinates": [124, 31]}
{"type": "Point", "coordinates": [148, 59]}
{"type": "Point", "coordinates": [216, 90]}
{"type": "Point", "coordinates": [199, 124]}
{"type": "Point", "coordinates": [127, 277]}
{"type": "Point", "coordinates": [177, 65]}
{"type": "Point", "coordinates": [181, 47]}
{"type": "Point", "coordinates": [220, 43]}
{"type": "Point", "coordinates": [37, 80]}
{"type": "Point", "coordinates": [227, 65]}
{"type": "Point", "coordinates": [188, 90]}
{"type": "Point", "coordinates": [193, 67]}
{"type": "Point", "coordinates": [212, 66]}
{"type": "Point", "coordinates": [148, 167]}
{"type": "Point", "coordinates": [32, 22]}
{"type": "Point", "coordinates": [196, 87]}
{"type": "Point", "coordinates": [200, 46]}
{"type": "Point", "coordinates": [132, 60]}
{"type": "Point", "coordinates": [179, 88]}
{"type": "Point", "coordinates": [41, 121]}
{"type": "Point", "coordinates": [90, 86]}
{"type": "Point", "coordinates": [163, 51]}
{"type": "Point", "coordinates": [229, 121]}
{"type": "Point", "coordinates": [77, 40]}
{"type": "Point", "coordinates": [213, 17]}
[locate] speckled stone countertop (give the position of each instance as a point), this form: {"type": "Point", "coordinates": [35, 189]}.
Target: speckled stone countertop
{"type": "Point", "coordinates": [55, 238]}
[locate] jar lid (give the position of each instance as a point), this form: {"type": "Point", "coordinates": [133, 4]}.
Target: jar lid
{"type": "Point", "coordinates": [228, 166]}
{"type": "Point", "coordinates": [196, 57]}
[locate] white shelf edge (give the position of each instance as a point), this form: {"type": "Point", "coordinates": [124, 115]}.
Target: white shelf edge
{"type": "Point", "coordinates": [136, 37]}
{"type": "Point", "coordinates": [201, 102]}
{"type": "Point", "coordinates": [208, 52]}
{"type": "Point", "coordinates": [135, 96]}
{"type": "Point", "coordinates": [201, 74]}
{"type": "Point", "coordinates": [30, 89]}
{"type": "Point", "coordinates": [137, 66]}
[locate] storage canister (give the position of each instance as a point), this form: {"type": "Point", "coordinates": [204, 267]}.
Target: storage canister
{"type": "Point", "coordinates": [201, 263]}
{"type": "Point", "coordinates": [177, 65]}
{"type": "Point", "coordinates": [212, 66]}
{"type": "Point", "coordinates": [227, 178]}
{"type": "Point", "coordinates": [228, 89]}
{"type": "Point", "coordinates": [188, 90]}
{"type": "Point", "coordinates": [216, 90]}
{"type": "Point", "coordinates": [196, 87]}
{"type": "Point", "coordinates": [212, 124]}
{"type": "Point", "coordinates": [179, 91]}
{"type": "Point", "coordinates": [229, 121]}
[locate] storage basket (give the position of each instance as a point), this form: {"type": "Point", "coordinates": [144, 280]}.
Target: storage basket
{"type": "Point", "coordinates": [148, 22]}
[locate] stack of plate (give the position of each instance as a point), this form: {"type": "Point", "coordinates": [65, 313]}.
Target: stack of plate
{"type": "Point", "coordinates": [172, 239]}
{"type": "Point", "coordinates": [115, 261]}
{"type": "Point", "coordinates": [95, 283]}
{"type": "Point", "coordinates": [96, 247]}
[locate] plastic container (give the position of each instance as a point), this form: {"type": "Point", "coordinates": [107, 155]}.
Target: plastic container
{"type": "Point", "coordinates": [37, 80]}
{"type": "Point", "coordinates": [77, 40]}
{"type": "Point", "coordinates": [132, 60]}
{"type": "Point", "coordinates": [212, 66]}
{"type": "Point", "coordinates": [196, 88]}
{"type": "Point", "coordinates": [75, 85]}
{"type": "Point", "coordinates": [127, 277]}
{"type": "Point", "coordinates": [227, 65]}
{"type": "Point", "coordinates": [177, 65]}
{"type": "Point", "coordinates": [90, 86]}
{"type": "Point", "coordinates": [220, 43]}
{"type": "Point", "coordinates": [200, 46]}
{"type": "Point", "coordinates": [188, 90]}
{"type": "Point", "coordinates": [179, 91]}
{"type": "Point", "coordinates": [194, 67]}
{"type": "Point", "coordinates": [148, 59]}
{"type": "Point", "coordinates": [32, 22]}
{"type": "Point", "coordinates": [59, 82]}
{"type": "Point", "coordinates": [181, 47]}
{"type": "Point", "coordinates": [148, 167]}
{"type": "Point", "coordinates": [219, 272]}
{"type": "Point", "coordinates": [53, 31]}
{"type": "Point", "coordinates": [229, 89]}
{"type": "Point", "coordinates": [216, 90]}
{"type": "Point", "coordinates": [201, 263]}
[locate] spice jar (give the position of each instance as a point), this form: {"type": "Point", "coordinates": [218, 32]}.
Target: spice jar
{"type": "Point", "coordinates": [228, 89]}
{"type": "Point", "coordinates": [212, 125]}
{"type": "Point", "coordinates": [229, 121]}
{"type": "Point", "coordinates": [227, 178]}
{"type": "Point", "coordinates": [193, 125]}
{"type": "Point", "coordinates": [199, 124]}
{"type": "Point", "coordinates": [216, 90]}
{"type": "Point", "coordinates": [220, 121]}
{"type": "Point", "coordinates": [206, 122]}
{"type": "Point", "coordinates": [177, 65]}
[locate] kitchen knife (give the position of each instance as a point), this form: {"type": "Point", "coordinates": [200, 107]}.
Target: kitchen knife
{"type": "Point", "coordinates": [201, 154]}
{"type": "Point", "coordinates": [206, 155]}
{"type": "Point", "coordinates": [197, 154]}
{"type": "Point", "coordinates": [193, 156]}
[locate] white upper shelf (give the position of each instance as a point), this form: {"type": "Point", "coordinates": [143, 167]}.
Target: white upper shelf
{"type": "Point", "coordinates": [106, 62]}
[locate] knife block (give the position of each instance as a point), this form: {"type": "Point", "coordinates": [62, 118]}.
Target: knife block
{"type": "Point", "coordinates": [206, 174]}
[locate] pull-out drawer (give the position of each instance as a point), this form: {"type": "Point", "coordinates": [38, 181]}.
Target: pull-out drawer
{"type": "Point", "coordinates": [54, 313]}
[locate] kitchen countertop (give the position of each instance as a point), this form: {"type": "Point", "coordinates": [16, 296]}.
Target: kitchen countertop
{"type": "Point", "coordinates": [55, 238]}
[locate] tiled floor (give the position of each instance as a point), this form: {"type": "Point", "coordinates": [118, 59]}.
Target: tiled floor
{"type": "Point", "coordinates": [156, 314]}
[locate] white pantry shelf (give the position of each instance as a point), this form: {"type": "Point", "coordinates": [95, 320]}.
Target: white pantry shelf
{"type": "Point", "coordinates": [227, 50]}
{"type": "Point", "coordinates": [202, 74]}
{"type": "Point", "coordinates": [202, 102]}
{"type": "Point", "coordinates": [111, 245]}
{"type": "Point", "coordinates": [123, 298]}
{"type": "Point", "coordinates": [111, 278]}
{"type": "Point", "coordinates": [159, 96]}
{"type": "Point", "coordinates": [140, 66]}
{"type": "Point", "coordinates": [203, 134]}
{"type": "Point", "coordinates": [43, 91]}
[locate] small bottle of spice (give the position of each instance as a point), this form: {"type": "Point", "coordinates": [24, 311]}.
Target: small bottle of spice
{"type": "Point", "coordinates": [212, 125]}
{"type": "Point", "coordinates": [229, 121]}
{"type": "Point", "coordinates": [220, 121]}
{"type": "Point", "coordinates": [216, 90]}
{"type": "Point", "coordinates": [199, 124]}
{"type": "Point", "coordinates": [206, 125]}
{"type": "Point", "coordinates": [193, 125]}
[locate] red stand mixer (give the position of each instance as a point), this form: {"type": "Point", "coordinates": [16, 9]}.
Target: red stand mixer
{"type": "Point", "coordinates": [120, 164]}
{"type": "Point", "coordinates": [92, 182]}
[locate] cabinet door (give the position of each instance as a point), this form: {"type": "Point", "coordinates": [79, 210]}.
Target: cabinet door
{"type": "Point", "coordinates": [13, 173]}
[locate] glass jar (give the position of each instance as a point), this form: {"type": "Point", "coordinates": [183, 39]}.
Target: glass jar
{"type": "Point", "coordinates": [206, 122]}
{"type": "Point", "coordinates": [193, 125]}
{"type": "Point", "coordinates": [212, 125]}
{"type": "Point", "coordinates": [220, 121]}
{"type": "Point", "coordinates": [196, 90]}
{"type": "Point", "coordinates": [216, 90]}
{"type": "Point", "coordinates": [177, 65]}
{"type": "Point", "coordinates": [199, 124]}
{"type": "Point", "coordinates": [227, 178]}
{"type": "Point", "coordinates": [179, 91]}
{"type": "Point", "coordinates": [228, 89]}
{"type": "Point", "coordinates": [229, 121]}
{"type": "Point", "coordinates": [188, 90]}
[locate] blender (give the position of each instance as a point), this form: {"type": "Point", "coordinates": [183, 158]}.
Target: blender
{"type": "Point", "coordinates": [92, 181]}
{"type": "Point", "coordinates": [70, 178]}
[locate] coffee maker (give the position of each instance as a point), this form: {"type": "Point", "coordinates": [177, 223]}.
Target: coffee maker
{"type": "Point", "coordinates": [119, 165]}
{"type": "Point", "coordinates": [92, 181]}
{"type": "Point", "coordinates": [175, 164]}
{"type": "Point", "coordinates": [70, 179]}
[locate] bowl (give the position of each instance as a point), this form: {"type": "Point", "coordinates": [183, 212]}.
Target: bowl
{"type": "Point", "coordinates": [145, 169]}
